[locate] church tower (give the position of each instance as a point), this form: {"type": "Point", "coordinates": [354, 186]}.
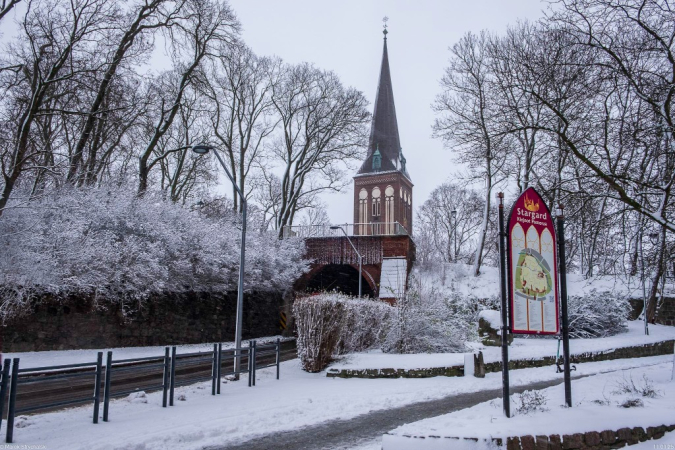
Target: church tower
{"type": "Point", "coordinates": [382, 186]}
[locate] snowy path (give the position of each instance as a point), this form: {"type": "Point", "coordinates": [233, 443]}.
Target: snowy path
{"type": "Point", "coordinates": [361, 430]}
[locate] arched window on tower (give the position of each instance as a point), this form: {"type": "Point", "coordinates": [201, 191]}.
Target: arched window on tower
{"type": "Point", "coordinates": [389, 209]}
{"type": "Point", "coordinates": [363, 211]}
{"type": "Point", "coordinates": [377, 205]}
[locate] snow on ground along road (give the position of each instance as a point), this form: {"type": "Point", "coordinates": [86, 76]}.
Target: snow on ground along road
{"type": "Point", "coordinates": [641, 397]}
{"type": "Point", "coordinates": [297, 400]}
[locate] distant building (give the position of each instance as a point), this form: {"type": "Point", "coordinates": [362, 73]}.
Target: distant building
{"type": "Point", "coordinates": [382, 186]}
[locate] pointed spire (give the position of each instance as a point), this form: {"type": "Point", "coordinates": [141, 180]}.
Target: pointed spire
{"type": "Point", "coordinates": [384, 128]}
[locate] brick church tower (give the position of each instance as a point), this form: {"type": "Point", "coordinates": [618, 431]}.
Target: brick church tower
{"type": "Point", "coordinates": [382, 186]}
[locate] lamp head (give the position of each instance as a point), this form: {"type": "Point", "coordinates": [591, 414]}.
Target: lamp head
{"type": "Point", "coordinates": [201, 149]}
{"type": "Point", "coordinates": [335, 227]}
{"type": "Point", "coordinates": [453, 212]}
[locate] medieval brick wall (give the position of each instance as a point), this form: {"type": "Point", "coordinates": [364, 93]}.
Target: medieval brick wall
{"type": "Point", "coordinates": [190, 318]}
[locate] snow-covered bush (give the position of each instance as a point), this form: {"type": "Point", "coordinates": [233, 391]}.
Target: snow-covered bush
{"type": "Point", "coordinates": [109, 243]}
{"type": "Point", "coordinates": [597, 314]}
{"type": "Point", "coordinates": [330, 324]}
{"type": "Point", "coordinates": [429, 319]}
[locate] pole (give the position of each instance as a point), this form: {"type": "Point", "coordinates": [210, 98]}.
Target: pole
{"type": "Point", "coordinates": [454, 232]}
{"type": "Point", "coordinates": [360, 274]}
{"type": "Point", "coordinates": [106, 384]}
{"type": "Point", "coordinates": [563, 301]}
{"type": "Point", "coordinates": [505, 329]}
{"type": "Point", "coordinates": [242, 258]}
{"type": "Point", "coordinates": [11, 408]}
{"type": "Point", "coordinates": [357, 254]}
{"type": "Point", "coordinates": [97, 385]}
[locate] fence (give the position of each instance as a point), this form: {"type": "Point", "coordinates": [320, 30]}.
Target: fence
{"type": "Point", "coordinates": [119, 378]}
{"type": "Point", "coordinates": [351, 229]}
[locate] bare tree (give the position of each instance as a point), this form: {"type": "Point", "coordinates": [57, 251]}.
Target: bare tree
{"type": "Point", "coordinates": [469, 120]}
{"type": "Point", "coordinates": [207, 24]}
{"type": "Point", "coordinates": [6, 6]}
{"type": "Point", "coordinates": [240, 89]}
{"type": "Point", "coordinates": [323, 126]}
{"type": "Point", "coordinates": [144, 16]}
{"type": "Point", "coordinates": [53, 34]}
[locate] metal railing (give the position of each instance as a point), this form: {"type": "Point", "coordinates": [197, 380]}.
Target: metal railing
{"type": "Point", "coordinates": [352, 229]}
{"type": "Point", "coordinates": [176, 370]}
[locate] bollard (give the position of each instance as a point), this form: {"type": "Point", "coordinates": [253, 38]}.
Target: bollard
{"type": "Point", "coordinates": [214, 363]}
{"type": "Point", "coordinates": [106, 388]}
{"type": "Point", "coordinates": [3, 387]}
{"type": "Point", "coordinates": [97, 385]}
{"type": "Point", "coordinates": [220, 355]}
{"type": "Point", "coordinates": [278, 355]}
{"type": "Point", "coordinates": [253, 364]}
{"type": "Point", "coordinates": [250, 366]}
{"type": "Point", "coordinates": [173, 375]}
{"type": "Point", "coordinates": [12, 400]}
{"type": "Point", "coordinates": [165, 377]}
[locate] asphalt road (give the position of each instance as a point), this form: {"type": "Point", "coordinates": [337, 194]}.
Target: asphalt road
{"type": "Point", "coordinates": [346, 434]}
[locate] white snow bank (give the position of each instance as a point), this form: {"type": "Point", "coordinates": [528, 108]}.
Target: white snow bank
{"type": "Point", "coordinates": [298, 399]}
{"type": "Point", "coordinates": [596, 407]}
{"type": "Point", "coordinates": [519, 349]}
{"type": "Point", "coordinates": [459, 278]}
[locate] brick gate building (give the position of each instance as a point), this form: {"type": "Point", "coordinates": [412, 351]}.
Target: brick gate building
{"type": "Point", "coordinates": [383, 206]}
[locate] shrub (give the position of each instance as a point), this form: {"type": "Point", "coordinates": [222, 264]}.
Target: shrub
{"type": "Point", "coordinates": [331, 324]}
{"type": "Point", "coordinates": [597, 314]}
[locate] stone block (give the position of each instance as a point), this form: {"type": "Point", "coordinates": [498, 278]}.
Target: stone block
{"type": "Point", "coordinates": [592, 438]}
{"type": "Point", "coordinates": [638, 435]}
{"type": "Point", "coordinates": [572, 441]}
{"type": "Point", "coordinates": [527, 442]}
{"type": "Point", "coordinates": [513, 443]}
{"type": "Point", "coordinates": [624, 434]}
{"type": "Point", "coordinates": [608, 437]}
{"type": "Point", "coordinates": [554, 442]}
{"type": "Point", "coordinates": [541, 442]}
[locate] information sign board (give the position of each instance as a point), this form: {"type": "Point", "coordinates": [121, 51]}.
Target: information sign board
{"type": "Point", "coordinates": [533, 269]}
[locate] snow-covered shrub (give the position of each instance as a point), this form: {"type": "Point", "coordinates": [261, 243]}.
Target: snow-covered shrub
{"type": "Point", "coordinates": [330, 324]}
{"type": "Point", "coordinates": [109, 243]}
{"type": "Point", "coordinates": [597, 314]}
{"type": "Point", "coordinates": [530, 402]}
{"type": "Point", "coordinates": [429, 319]}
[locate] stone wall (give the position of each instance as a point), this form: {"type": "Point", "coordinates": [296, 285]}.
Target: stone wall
{"type": "Point", "coordinates": [665, 314]}
{"type": "Point", "coordinates": [596, 440]}
{"type": "Point", "coordinates": [638, 351]}
{"type": "Point", "coordinates": [189, 318]}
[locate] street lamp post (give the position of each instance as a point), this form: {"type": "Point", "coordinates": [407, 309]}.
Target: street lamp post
{"type": "Point", "coordinates": [355, 251]}
{"type": "Point", "coordinates": [454, 233]}
{"type": "Point", "coordinates": [203, 149]}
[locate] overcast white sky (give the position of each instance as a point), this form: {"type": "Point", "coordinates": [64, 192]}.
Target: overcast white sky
{"type": "Point", "coordinates": [346, 36]}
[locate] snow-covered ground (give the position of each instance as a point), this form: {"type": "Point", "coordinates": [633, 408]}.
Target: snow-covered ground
{"type": "Point", "coordinates": [520, 349]}
{"type": "Point", "coordinates": [597, 406]}
{"type": "Point", "coordinates": [60, 357]}
{"type": "Point", "coordinates": [298, 399]}
{"type": "Point", "coordinates": [459, 278]}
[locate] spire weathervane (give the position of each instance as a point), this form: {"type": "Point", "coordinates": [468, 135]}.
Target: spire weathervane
{"type": "Point", "coordinates": [384, 31]}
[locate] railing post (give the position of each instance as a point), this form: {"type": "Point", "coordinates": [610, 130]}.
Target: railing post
{"type": "Point", "coordinates": [3, 387]}
{"type": "Point", "coordinates": [220, 350]}
{"type": "Point", "coordinates": [106, 388]}
{"type": "Point", "coordinates": [278, 355]}
{"type": "Point", "coordinates": [213, 369]}
{"type": "Point", "coordinates": [12, 400]}
{"type": "Point", "coordinates": [165, 378]}
{"type": "Point", "coordinates": [97, 385]}
{"type": "Point", "coordinates": [250, 365]}
{"type": "Point", "coordinates": [253, 363]}
{"type": "Point", "coordinates": [173, 375]}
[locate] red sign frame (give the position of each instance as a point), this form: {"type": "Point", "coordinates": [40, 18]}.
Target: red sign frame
{"type": "Point", "coordinates": [534, 301]}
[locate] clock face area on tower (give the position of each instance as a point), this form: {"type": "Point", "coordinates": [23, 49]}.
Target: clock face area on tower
{"type": "Point", "coordinates": [382, 186]}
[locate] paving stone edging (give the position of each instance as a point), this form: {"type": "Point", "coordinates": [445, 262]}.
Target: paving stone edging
{"type": "Point", "coordinates": [636, 351]}
{"type": "Point", "coordinates": [591, 440]}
